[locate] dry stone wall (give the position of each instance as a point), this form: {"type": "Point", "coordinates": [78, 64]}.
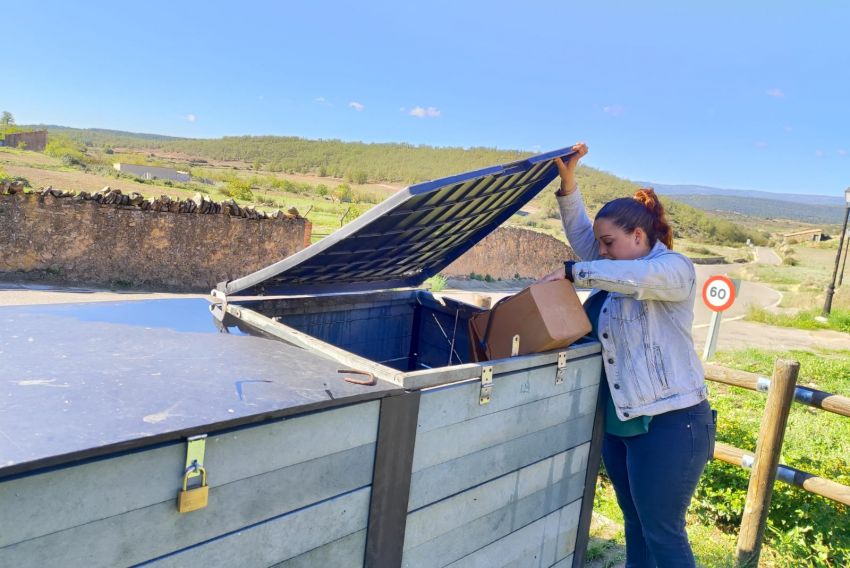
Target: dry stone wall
{"type": "Point", "coordinates": [110, 239]}
{"type": "Point", "coordinates": [512, 251]}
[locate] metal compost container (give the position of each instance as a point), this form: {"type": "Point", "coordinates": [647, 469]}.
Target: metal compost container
{"type": "Point", "coordinates": [476, 464]}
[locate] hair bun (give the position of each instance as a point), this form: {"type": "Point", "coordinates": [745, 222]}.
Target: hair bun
{"type": "Point", "coordinates": [646, 195]}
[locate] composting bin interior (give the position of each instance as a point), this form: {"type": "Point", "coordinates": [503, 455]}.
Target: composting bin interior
{"type": "Point", "coordinates": [407, 331]}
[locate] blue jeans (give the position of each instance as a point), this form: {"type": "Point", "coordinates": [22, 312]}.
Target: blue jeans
{"type": "Point", "coordinates": [655, 475]}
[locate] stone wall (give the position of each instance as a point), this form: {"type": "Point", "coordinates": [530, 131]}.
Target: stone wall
{"type": "Point", "coordinates": [110, 239]}
{"type": "Point", "coordinates": [511, 251]}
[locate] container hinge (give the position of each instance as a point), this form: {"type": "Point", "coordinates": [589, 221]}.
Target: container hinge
{"type": "Point", "coordinates": [195, 447]}
{"type": "Point", "coordinates": [486, 385]}
{"type": "Point", "coordinates": [218, 308]}
{"type": "Point", "coordinates": [561, 373]}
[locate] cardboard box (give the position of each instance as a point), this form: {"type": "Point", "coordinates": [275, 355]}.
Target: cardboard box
{"type": "Point", "coordinates": [546, 316]}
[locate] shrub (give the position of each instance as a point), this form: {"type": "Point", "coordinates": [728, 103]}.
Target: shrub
{"type": "Point", "coordinates": [343, 193]}
{"type": "Point", "coordinates": [71, 153]}
{"type": "Point", "coordinates": [351, 214]}
{"type": "Point", "coordinates": [359, 177]}
{"type": "Point", "coordinates": [437, 283]}
{"type": "Point", "coordinates": [239, 189]}
{"type": "Point", "coordinates": [72, 160]}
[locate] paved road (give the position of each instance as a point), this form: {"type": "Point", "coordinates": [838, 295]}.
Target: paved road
{"type": "Point", "coordinates": [765, 255]}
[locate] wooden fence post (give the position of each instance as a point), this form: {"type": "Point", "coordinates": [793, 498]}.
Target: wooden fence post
{"type": "Point", "coordinates": [780, 395]}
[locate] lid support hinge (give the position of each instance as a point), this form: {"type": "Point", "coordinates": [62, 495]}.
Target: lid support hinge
{"type": "Point", "coordinates": [561, 372]}
{"type": "Point", "coordinates": [218, 309]}
{"type": "Point", "coordinates": [486, 385]}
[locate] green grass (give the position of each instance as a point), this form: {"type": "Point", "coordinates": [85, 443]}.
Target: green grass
{"type": "Point", "coordinates": [838, 320]}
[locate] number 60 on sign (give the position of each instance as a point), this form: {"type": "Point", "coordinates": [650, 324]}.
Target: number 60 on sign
{"type": "Point", "coordinates": [718, 293]}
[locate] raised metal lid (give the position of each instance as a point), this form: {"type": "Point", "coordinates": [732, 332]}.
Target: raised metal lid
{"type": "Point", "coordinates": [410, 236]}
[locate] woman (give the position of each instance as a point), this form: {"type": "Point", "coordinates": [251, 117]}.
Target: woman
{"type": "Point", "coordinates": [659, 428]}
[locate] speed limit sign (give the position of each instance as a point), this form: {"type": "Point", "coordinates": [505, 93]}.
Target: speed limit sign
{"type": "Point", "coordinates": [718, 294]}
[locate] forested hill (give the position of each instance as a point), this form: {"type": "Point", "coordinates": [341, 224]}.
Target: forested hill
{"type": "Point", "coordinates": [398, 163]}
{"type": "Point", "coordinates": [766, 208]}
{"type": "Point", "coordinates": [815, 209]}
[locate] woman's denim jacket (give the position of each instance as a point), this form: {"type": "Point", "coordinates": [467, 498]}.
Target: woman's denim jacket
{"type": "Point", "coordinates": [645, 323]}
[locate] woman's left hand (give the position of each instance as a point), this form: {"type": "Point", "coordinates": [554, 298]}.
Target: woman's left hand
{"type": "Point", "coordinates": [567, 170]}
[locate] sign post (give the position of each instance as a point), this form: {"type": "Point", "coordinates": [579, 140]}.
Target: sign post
{"type": "Point", "coordinates": [718, 294]}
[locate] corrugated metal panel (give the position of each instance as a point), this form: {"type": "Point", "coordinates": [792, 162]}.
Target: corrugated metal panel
{"type": "Point", "coordinates": [410, 236]}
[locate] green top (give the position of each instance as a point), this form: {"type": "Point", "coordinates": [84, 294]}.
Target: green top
{"type": "Point", "coordinates": [613, 424]}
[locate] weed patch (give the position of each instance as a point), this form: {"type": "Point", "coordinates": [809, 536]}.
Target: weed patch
{"type": "Point", "coordinates": [838, 320]}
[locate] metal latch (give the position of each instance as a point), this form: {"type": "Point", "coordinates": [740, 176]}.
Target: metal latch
{"type": "Point", "coordinates": [195, 447]}
{"type": "Point", "coordinates": [515, 346]}
{"type": "Point", "coordinates": [486, 385]}
{"type": "Point", "coordinates": [561, 373]}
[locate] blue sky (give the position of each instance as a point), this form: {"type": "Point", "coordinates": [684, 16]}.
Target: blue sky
{"type": "Point", "coordinates": [752, 95]}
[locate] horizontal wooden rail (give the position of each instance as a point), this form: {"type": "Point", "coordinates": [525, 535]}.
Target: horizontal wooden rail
{"type": "Point", "coordinates": [834, 403]}
{"type": "Point", "coordinates": [792, 476]}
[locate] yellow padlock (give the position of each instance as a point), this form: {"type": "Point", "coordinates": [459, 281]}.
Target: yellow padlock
{"type": "Point", "coordinates": [189, 500]}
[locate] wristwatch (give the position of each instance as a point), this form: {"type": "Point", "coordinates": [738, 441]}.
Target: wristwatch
{"type": "Point", "coordinates": [568, 270]}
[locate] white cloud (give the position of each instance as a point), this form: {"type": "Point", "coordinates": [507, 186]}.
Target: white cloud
{"type": "Point", "coordinates": [614, 110]}
{"type": "Point", "coordinates": [819, 154]}
{"type": "Point", "coordinates": [788, 128]}
{"type": "Point", "coordinates": [761, 144]}
{"type": "Point", "coordinates": [842, 152]}
{"type": "Point", "coordinates": [776, 93]}
{"type": "Point", "coordinates": [356, 106]}
{"type": "Point", "coordinates": [323, 101]}
{"type": "Point", "coordinates": [430, 112]}
{"type": "Point", "coordinates": [191, 117]}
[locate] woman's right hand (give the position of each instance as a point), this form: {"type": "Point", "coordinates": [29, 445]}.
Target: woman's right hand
{"type": "Point", "coordinates": [567, 170]}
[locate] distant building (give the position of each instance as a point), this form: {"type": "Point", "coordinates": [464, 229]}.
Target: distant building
{"type": "Point", "coordinates": [35, 141]}
{"type": "Point", "coordinates": [152, 172]}
{"type": "Point", "coordinates": [807, 236]}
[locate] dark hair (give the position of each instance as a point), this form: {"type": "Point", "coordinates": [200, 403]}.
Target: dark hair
{"type": "Point", "coordinates": [643, 210]}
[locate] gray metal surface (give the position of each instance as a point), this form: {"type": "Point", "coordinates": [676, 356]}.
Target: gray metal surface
{"type": "Point", "coordinates": [85, 380]}
{"type": "Point", "coordinates": [410, 236]}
